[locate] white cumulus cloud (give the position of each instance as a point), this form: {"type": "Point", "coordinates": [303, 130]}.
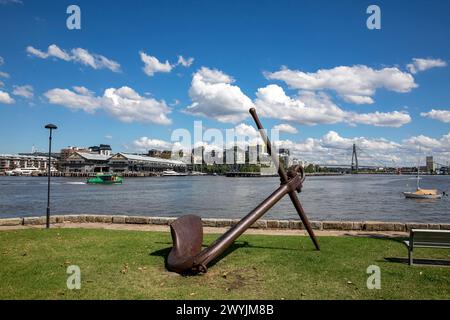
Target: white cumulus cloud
{"type": "Point", "coordinates": [152, 65]}
{"type": "Point", "coordinates": [73, 100]}
{"type": "Point", "coordinates": [245, 130]}
{"type": "Point", "coordinates": [128, 106]}
{"type": "Point", "coordinates": [122, 103]}
{"type": "Point", "coordinates": [284, 127]}
{"type": "Point", "coordinates": [145, 143]}
{"type": "Point", "coordinates": [441, 115]}
{"type": "Point", "coordinates": [356, 84]}
{"type": "Point", "coordinates": [36, 52]}
{"type": "Point", "coordinates": [5, 98]}
{"type": "Point", "coordinates": [309, 108]}
{"type": "Point", "coordinates": [185, 62]}
{"type": "Point", "coordinates": [213, 95]}
{"type": "Point", "coordinates": [439, 147]}
{"type": "Point", "coordinates": [380, 119]}
{"type": "Point", "coordinates": [23, 91]}
{"type": "Point", "coordinates": [419, 64]}
{"type": "Point", "coordinates": [79, 55]}
{"type": "Point", "coordinates": [313, 108]}
{"type": "Point", "coordinates": [54, 51]}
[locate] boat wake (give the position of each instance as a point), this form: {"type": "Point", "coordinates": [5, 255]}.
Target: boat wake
{"type": "Point", "coordinates": [79, 182]}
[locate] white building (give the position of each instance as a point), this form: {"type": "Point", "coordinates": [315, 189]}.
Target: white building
{"type": "Point", "coordinates": [14, 161]}
{"type": "Point", "coordinates": [285, 156]}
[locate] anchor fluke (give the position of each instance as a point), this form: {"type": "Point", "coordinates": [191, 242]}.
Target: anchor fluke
{"type": "Point", "coordinates": [187, 237]}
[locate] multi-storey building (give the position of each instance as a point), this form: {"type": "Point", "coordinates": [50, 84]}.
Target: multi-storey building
{"type": "Point", "coordinates": [431, 167]}
{"type": "Point", "coordinates": [14, 161]}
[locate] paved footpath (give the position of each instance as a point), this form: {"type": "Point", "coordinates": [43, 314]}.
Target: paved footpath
{"type": "Point", "coordinates": [213, 230]}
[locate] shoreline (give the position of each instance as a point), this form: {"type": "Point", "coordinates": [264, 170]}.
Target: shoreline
{"type": "Point", "coordinates": [262, 225]}
{"type": "Point", "coordinates": [159, 174]}
{"type": "Point", "coordinates": [232, 174]}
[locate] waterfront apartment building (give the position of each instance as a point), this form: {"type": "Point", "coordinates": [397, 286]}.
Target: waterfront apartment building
{"type": "Point", "coordinates": [235, 156]}
{"type": "Point", "coordinates": [14, 161]}
{"type": "Point", "coordinates": [285, 156]}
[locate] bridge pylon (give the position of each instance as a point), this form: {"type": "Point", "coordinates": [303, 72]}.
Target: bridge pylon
{"type": "Point", "coordinates": [354, 160]}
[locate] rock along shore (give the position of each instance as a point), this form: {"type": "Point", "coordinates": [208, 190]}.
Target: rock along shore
{"type": "Point", "coordinates": [221, 223]}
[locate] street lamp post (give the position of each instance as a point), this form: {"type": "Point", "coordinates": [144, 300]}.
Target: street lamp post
{"type": "Point", "coordinates": [51, 127]}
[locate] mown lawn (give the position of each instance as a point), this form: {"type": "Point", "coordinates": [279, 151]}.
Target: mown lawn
{"type": "Point", "coordinates": [130, 265]}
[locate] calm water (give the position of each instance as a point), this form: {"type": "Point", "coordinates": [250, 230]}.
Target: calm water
{"type": "Point", "coordinates": [358, 197]}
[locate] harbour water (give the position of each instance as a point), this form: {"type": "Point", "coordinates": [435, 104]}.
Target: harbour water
{"type": "Point", "coordinates": [350, 197]}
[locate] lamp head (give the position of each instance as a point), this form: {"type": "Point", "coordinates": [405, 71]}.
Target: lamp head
{"type": "Point", "coordinates": [51, 126]}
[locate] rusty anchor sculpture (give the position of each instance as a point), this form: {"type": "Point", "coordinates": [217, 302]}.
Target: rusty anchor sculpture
{"type": "Point", "coordinates": [186, 255]}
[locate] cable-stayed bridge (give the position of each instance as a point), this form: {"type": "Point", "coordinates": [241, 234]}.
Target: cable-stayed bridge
{"type": "Point", "coordinates": [356, 158]}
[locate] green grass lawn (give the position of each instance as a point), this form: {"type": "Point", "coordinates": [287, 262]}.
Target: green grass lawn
{"type": "Point", "coordinates": [130, 265]}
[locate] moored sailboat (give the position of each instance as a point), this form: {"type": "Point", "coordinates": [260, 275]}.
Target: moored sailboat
{"type": "Point", "coordinates": [422, 193]}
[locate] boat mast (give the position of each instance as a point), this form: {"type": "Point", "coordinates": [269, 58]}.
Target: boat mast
{"type": "Point", "coordinates": [418, 187]}
{"type": "Point", "coordinates": [418, 170]}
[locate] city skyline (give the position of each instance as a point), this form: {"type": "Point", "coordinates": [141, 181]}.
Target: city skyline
{"type": "Point", "coordinates": [313, 70]}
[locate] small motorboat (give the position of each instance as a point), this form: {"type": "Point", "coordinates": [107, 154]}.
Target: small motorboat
{"type": "Point", "coordinates": [105, 179]}
{"type": "Point", "coordinates": [28, 171]}
{"type": "Point", "coordinates": [197, 173]}
{"type": "Point", "coordinates": [172, 173]}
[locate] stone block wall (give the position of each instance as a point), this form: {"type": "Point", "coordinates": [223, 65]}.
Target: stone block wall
{"type": "Point", "coordinates": [371, 226]}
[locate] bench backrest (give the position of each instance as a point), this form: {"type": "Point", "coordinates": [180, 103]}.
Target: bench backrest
{"type": "Point", "coordinates": [430, 238]}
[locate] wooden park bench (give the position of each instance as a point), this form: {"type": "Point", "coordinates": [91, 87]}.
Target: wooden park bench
{"type": "Point", "coordinates": [422, 238]}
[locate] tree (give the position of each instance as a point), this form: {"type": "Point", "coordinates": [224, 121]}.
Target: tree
{"type": "Point", "coordinates": [310, 168]}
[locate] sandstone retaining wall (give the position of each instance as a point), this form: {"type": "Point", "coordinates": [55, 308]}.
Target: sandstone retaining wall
{"type": "Point", "coordinates": [260, 224]}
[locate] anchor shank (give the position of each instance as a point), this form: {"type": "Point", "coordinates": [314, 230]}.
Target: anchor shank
{"type": "Point", "coordinates": [284, 178]}
{"type": "Point", "coordinates": [223, 242]}
{"type": "Point", "coordinates": [276, 161]}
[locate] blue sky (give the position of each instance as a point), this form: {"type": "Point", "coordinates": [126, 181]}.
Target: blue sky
{"type": "Point", "coordinates": [248, 41]}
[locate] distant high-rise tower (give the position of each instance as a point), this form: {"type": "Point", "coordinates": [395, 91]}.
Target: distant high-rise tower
{"type": "Point", "coordinates": [430, 164]}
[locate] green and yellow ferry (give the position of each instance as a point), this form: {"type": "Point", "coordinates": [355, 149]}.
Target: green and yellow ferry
{"type": "Point", "coordinates": [104, 178]}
